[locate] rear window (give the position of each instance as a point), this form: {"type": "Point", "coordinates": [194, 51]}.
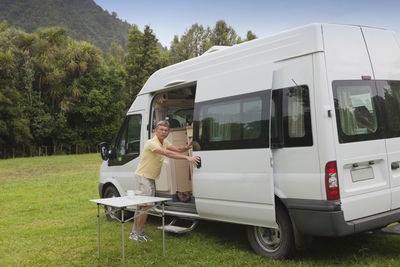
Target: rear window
{"type": "Point", "coordinates": [389, 91]}
{"type": "Point", "coordinates": [356, 110]}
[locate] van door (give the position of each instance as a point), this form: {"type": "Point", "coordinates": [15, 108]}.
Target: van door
{"type": "Point", "coordinates": [384, 51]}
{"type": "Point", "coordinates": [390, 92]}
{"type": "Point", "coordinates": [294, 130]}
{"type": "Point", "coordinates": [126, 150]}
{"type": "Point", "coordinates": [362, 165]}
{"type": "Point", "coordinates": [361, 152]}
{"type": "Point", "coordinates": [231, 134]}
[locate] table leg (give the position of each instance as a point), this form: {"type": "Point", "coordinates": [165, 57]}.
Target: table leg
{"type": "Point", "coordinates": [137, 212]}
{"type": "Point", "coordinates": [98, 230]}
{"type": "Point", "coordinates": [123, 239]}
{"type": "Point", "coordinates": [163, 231]}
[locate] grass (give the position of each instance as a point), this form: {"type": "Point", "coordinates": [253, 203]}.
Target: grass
{"type": "Point", "coordinates": [46, 219]}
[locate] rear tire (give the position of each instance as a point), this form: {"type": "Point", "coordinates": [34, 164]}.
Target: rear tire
{"type": "Point", "coordinates": [277, 243]}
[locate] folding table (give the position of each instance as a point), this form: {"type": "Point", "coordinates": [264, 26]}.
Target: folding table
{"type": "Point", "coordinates": [122, 203]}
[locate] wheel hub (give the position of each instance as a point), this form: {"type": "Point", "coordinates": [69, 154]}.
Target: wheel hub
{"type": "Point", "coordinates": [268, 238]}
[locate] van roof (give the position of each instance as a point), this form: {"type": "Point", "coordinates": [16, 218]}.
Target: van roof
{"type": "Point", "coordinates": [288, 44]}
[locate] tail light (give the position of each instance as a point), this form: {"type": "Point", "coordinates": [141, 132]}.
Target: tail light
{"type": "Point", "coordinates": [331, 181]}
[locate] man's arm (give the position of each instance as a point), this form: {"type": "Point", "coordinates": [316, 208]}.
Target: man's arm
{"type": "Point", "coordinates": [180, 148]}
{"type": "Point", "coordinates": [174, 155]}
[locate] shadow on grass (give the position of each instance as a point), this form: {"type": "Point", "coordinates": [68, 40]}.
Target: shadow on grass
{"type": "Point", "coordinates": [355, 249]}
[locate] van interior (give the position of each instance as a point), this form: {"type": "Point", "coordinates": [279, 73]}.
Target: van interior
{"type": "Point", "coordinates": [176, 106]}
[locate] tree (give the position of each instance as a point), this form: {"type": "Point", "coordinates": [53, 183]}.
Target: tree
{"type": "Point", "coordinates": [197, 40]}
{"type": "Point", "coordinates": [116, 54]}
{"type": "Point", "coordinates": [14, 127]}
{"type": "Point", "coordinates": [222, 34]}
{"type": "Point", "coordinates": [194, 42]}
{"type": "Point", "coordinates": [250, 36]}
{"type": "Point", "coordinates": [143, 58]}
{"type": "Point", "coordinates": [3, 26]}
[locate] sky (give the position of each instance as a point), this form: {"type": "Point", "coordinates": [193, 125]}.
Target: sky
{"type": "Point", "coordinates": [263, 17]}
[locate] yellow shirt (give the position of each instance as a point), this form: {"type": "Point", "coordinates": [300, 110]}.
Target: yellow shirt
{"type": "Point", "coordinates": [151, 162]}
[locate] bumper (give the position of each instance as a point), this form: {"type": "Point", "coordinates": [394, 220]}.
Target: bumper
{"type": "Point", "coordinates": [325, 218]}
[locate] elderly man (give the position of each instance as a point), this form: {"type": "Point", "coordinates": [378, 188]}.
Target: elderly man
{"type": "Point", "coordinates": [149, 170]}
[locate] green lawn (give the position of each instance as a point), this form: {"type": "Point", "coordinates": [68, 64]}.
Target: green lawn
{"type": "Point", "coordinates": [46, 219]}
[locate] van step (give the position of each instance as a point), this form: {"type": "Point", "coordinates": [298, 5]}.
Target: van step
{"type": "Point", "coordinates": [392, 229]}
{"type": "Point", "coordinates": [173, 228]}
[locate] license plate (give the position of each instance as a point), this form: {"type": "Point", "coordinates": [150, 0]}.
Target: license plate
{"type": "Point", "coordinates": [362, 174]}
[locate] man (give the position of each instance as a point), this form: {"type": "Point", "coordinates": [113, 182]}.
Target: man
{"type": "Point", "coordinates": [149, 170]}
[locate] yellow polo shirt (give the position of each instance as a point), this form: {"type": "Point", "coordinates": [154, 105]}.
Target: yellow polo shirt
{"type": "Point", "coordinates": [151, 162]}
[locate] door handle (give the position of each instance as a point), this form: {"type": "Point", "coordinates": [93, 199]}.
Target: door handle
{"type": "Point", "coordinates": [199, 165]}
{"type": "Point", "coordinates": [395, 165]}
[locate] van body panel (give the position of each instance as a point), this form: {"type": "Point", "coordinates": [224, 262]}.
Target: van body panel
{"type": "Point", "coordinates": [228, 190]}
{"type": "Point", "coordinates": [393, 148]}
{"type": "Point", "coordinates": [238, 212]}
{"type": "Point", "coordinates": [297, 167]}
{"type": "Point", "coordinates": [324, 109]}
{"type": "Point", "coordinates": [345, 52]}
{"type": "Point", "coordinates": [243, 76]}
{"type": "Point", "coordinates": [347, 58]}
{"type": "Point", "coordinates": [386, 65]}
{"type": "Point", "coordinates": [385, 60]}
{"type": "Point", "coordinates": [225, 187]}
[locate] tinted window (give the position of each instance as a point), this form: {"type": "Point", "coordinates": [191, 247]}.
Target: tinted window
{"type": "Point", "coordinates": [233, 122]}
{"type": "Point", "coordinates": [390, 91]}
{"type": "Point", "coordinates": [356, 110]}
{"type": "Point", "coordinates": [133, 138]}
{"type": "Point", "coordinates": [291, 117]}
{"type": "Point", "coordinates": [127, 144]}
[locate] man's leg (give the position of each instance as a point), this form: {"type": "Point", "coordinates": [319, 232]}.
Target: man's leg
{"type": "Point", "coordinates": [140, 221]}
{"type": "Point", "coordinates": [146, 188]}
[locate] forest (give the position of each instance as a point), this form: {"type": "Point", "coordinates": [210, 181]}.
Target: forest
{"type": "Point", "coordinates": [59, 95]}
{"type": "Point", "coordinates": [84, 19]}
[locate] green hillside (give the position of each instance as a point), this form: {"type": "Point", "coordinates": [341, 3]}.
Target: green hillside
{"type": "Point", "coordinates": [84, 19]}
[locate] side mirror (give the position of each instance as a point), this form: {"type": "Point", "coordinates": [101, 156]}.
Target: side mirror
{"type": "Point", "coordinates": [104, 151]}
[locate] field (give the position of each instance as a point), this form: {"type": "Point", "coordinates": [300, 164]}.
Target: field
{"type": "Point", "coordinates": [46, 219]}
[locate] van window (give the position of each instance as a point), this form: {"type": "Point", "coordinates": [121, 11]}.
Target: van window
{"type": "Point", "coordinates": [233, 122]}
{"type": "Point", "coordinates": [295, 112]}
{"type": "Point", "coordinates": [133, 138]}
{"type": "Point", "coordinates": [127, 144]}
{"type": "Point", "coordinates": [390, 91]}
{"type": "Point", "coordinates": [356, 112]}
{"type": "Point", "coordinates": [291, 117]}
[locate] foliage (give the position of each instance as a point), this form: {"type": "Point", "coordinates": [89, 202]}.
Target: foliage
{"type": "Point", "coordinates": [60, 94]}
{"type": "Point", "coordinates": [197, 40]}
{"type": "Point", "coordinates": [143, 59]}
{"type": "Point", "coordinates": [55, 91]}
{"type": "Point", "coordinates": [84, 19]}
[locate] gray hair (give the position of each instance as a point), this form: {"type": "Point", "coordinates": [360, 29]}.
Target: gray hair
{"type": "Point", "coordinates": [164, 123]}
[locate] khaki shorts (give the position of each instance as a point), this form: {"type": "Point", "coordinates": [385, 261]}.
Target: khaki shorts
{"type": "Point", "coordinates": [144, 186]}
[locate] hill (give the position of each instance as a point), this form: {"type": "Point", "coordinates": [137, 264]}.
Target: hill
{"type": "Point", "coordinates": [84, 19]}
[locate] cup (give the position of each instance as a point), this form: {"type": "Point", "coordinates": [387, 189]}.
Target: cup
{"type": "Point", "coordinates": [131, 193]}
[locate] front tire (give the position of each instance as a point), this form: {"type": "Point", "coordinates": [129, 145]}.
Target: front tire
{"type": "Point", "coordinates": [274, 243]}
{"type": "Point", "coordinates": [111, 213]}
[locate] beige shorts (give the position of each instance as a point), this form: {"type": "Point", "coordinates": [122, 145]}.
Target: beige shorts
{"type": "Point", "coordinates": [144, 186]}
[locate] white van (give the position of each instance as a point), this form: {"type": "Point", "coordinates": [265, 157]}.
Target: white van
{"type": "Point", "coordinates": [298, 135]}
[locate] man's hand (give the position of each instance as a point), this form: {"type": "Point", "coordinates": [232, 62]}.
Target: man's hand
{"type": "Point", "coordinates": [189, 146]}
{"type": "Point", "coordinates": [194, 160]}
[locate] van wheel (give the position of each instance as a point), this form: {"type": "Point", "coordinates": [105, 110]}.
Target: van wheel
{"type": "Point", "coordinates": [111, 213]}
{"type": "Point", "coordinates": [273, 243]}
